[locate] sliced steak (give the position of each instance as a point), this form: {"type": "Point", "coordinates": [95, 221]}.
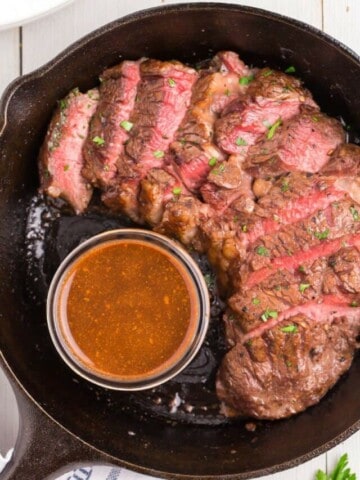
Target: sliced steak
{"type": "Point", "coordinates": [157, 189]}
{"type": "Point", "coordinates": [304, 143]}
{"type": "Point", "coordinates": [110, 126]}
{"type": "Point", "coordinates": [271, 96]}
{"type": "Point", "coordinates": [162, 99]}
{"type": "Point", "coordinates": [194, 150]}
{"type": "Point", "coordinates": [182, 218]}
{"type": "Point", "coordinates": [345, 161]}
{"type": "Point", "coordinates": [227, 182]}
{"type": "Point", "coordinates": [289, 368]}
{"type": "Point", "coordinates": [61, 156]}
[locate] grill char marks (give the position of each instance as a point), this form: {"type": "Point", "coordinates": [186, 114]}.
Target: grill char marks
{"type": "Point", "coordinates": [61, 157]}
{"type": "Point", "coordinates": [162, 100]}
{"type": "Point", "coordinates": [194, 145]}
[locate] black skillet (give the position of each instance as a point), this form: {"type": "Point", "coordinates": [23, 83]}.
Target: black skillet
{"type": "Point", "coordinates": [65, 420]}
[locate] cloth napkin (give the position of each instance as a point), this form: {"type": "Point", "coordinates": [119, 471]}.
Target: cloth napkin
{"type": "Point", "coordinates": [90, 473]}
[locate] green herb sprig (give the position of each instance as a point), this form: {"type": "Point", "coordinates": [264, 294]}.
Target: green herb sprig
{"type": "Point", "coordinates": [340, 472]}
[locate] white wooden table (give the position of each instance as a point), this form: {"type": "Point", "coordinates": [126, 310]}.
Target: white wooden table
{"type": "Point", "coordinates": [24, 49]}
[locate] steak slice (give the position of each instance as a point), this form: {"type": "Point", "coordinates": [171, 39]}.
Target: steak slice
{"type": "Point", "coordinates": [304, 143]}
{"type": "Point", "coordinates": [194, 149]}
{"type": "Point", "coordinates": [162, 99]}
{"type": "Point", "coordinates": [61, 156]}
{"type": "Point", "coordinates": [289, 367]}
{"type": "Point", "coordinates": [271, 96]}
{"type": "Point", "coordinates": [110, 126]}
{"type": "Point", "coordinates": [157, 189]}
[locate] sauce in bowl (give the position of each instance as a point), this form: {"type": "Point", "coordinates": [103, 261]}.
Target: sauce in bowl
{"type": "Point", "coordinates": [126, 312]}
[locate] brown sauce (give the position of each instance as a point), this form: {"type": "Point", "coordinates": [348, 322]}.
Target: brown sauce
{"type": "Point", "coordinates": [127, 309]}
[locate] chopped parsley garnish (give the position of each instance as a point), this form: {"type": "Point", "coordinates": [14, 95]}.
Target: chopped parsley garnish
{"type": "Point", "coordinates": [355, 214]}
{"type": "Point", "coordinates": [269, 314]}
{"type": "Point", "coordinates": [244, 228]}
{"type": "Point", "coordinates": [303, 287]}
{"type": "Point", "coordinates": [126, 125]}
{"type": "Point", "coordinates": [171, 82]}
{"type": "Point", "coordinates": [176, 190]}
{"type": "Point", "coordinates": [290, 69]}
{"type": "Point", "coordinates": [62, 104]}
{"type": "Point", "coordinates": [314, 118]}
{"type": "Point", "coordinates": [263, 251]}
{"type": "Point", "coordinates": [66, 167]}
{"type": "Point", "coordinates": [301, 268]}
{"type": "Point", "coordinates": [158, 153]}
{"type": "Point", "coordinates": [246, 80]}
{"type": "Point", "coordinates": [212, 161]}
{"type": "Point", "coordinates": [354, 304]}
{"type": "Point", "coordinates": [220, 169]}
{"type": "Point", "coordinates": [240, 142]}
{"type": "Point", "coordinates": [268, 73]}
{"type": "Point", "coordinates": [255, 301]}
{"type": "Point", "coordinates": [273, 128]}
{"type": "Point", "coordinates": [227, 92]}
{"type": "Point", "coordinates": [99, 141]}
{"type": "Point", "coordinates": [322, 235]}
{"type": "Point", "coordinates": [284, 186]}
{"type": "Point", "coordinates": [210, 282]}
{"type": "Point", "coordinates": [289, 329]}
{"type": "Point", "coordinates": [341, 471]}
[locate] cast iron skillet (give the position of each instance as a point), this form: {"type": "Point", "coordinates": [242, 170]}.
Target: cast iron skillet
{"type": "Point", "coordinates": [64, 420]}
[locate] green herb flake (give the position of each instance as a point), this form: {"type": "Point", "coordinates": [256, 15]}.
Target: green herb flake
{"type": "Point", "coordinates": [210, 282]}
{"type": "Point", "coordinates": [244, 228]}
{"type": "Point", "coordinates": [340, 472]}
{"type": "Point", "coordinates": [227, 92]}
{"type": "Point", "coordinates": [269, 314]}
{"type": "Point", "coordinates": [290, 69]}
{"type": "Point", "coordinates": [255, 301]}
{"type": "Point", "coordinates": [176, 190]}
{"type": "Point", "coordinates": [301, 268]}
{"type": "Point", "coordinates": [240, 142]}
{"type": "Point", "coordinates": [354, 304]}
{"type": "Point", "coordinates": [262, 251]}
{"type": "Point", "coordinates": [284, 186]}
{"type": "Point", "coordinates": [212, 161]}
{"type": "Point", "coordinates": [268, 73]}
{"type": "Point", "coordinates": [303, 287]}
{"type": "Point", "coordinates": [66, 167]}
{"type": "Point", "coordinates": [288, 363]}
{"type": "Point", "coordinates": [159, 153]}
{"type": "Point", "coordinates": [220, 169]}
{"type": "Point", "coordinates": [355, 214]}
{"type": "Point", "coordinates": [322, 235]}
{"type": "Point", "coordinates": [171, 82]}
{"type": "Point", "coordinates": [182, 141]}
{"type": "Point", "coordinates": [63, 104]}
{"type": "Point", "coordinates": [126, 125]}
{"type": "Point", "coordinates": [289, 329]}
{"type": "Point", "coordinates": [246, 80]}
{"type": "Point", "coordinates": [273, 128]}
{"type": "Point", "coordinates": [249, 343]}
{"type": "Point", "coordinates": [98, 141]}
{"type": "Point", "coordinates": [315, 118]}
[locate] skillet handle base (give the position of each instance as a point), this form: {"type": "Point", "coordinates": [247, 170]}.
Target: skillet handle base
{"type": "Point", "coordinates": [44, 449]}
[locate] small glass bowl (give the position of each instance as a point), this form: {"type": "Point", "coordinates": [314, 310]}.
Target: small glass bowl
{"type": "Point", "coordinates": [194, 276]}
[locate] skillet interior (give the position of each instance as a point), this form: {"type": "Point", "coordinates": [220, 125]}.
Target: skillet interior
{"type": "Point", "coordinates": [103, 419]}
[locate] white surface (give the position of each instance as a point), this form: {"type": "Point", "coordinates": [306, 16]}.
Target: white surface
{"type": "Point", "coordinates": [18, 12]}
{"type": "Point", "coordinates": [49, 35]}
